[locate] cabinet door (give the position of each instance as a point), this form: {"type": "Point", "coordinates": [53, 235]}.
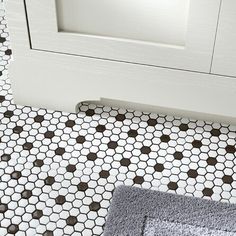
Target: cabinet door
{"type": "Point", "coordinates": [224, 60]}
{"type": "Point", "coordinates": [168, 33]}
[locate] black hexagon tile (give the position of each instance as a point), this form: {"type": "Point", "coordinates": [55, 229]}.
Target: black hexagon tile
{"type": "Point", "coordinates": [58, 170]}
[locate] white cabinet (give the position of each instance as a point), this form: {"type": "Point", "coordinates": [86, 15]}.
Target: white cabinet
{"type": "Point", "coordinates": [167, 33]}
{"type": "Point", "coordinates": [224, 61]}
{"type": "Point", "coordinates": [153, 55]}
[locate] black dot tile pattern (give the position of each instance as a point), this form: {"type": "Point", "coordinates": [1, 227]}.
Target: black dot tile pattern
{"type": "Point", "coordinates": [80, 139]}
{"type": "Point", "coordinates": [71, 168]}
{"type": "Point", "coordinates": [8, 114]}
{"type": "Point", "coordinates": [82, 186]}
{"type": "Point", "coordinates": [16, 175]}
{"type": "Point", "coordinates": [138, 180]}
{"type": "Point", "coordinates": [8, 52]}
{"type": "Point", "coordinates": [90, 112]}
{"type": "Point", "coordinates": [2, 99]}
{"type": "Point", "coordinates": [5, 157]}
{"type": "Point", "coordinates": [159, 167]}
{"type": "Point", "coordinates": [120, 117]}
{"type": "Point", "coordinates": [49, 134]}
{"type": "Point", "coordinates": [27, 146]}
{"type": "Point", "coordinates": [145, 150]}
{"type": "Point", "coordinates": [48, 233]}
{"type": "Point", "coordinates": [172, 186]}
{"type": "Point", "coordinates": [211, 161]}
{"type": "Point", "coordinates": [112, 145]}
{"type": "Point", "coordinates": [165, 138]}
{"type": "Point", "coordinates": [215, 132]}
{"type": "Point", "coordinates": [132, 133]}
{"type": "Point", "coordinates": [197, 143]}
{"type": "Point", "coordinates": [94, 206]}
{"type": "Point", "coordinates": [228, 179]}
{"type": "Point", "coordinates": [192, 173]}
{"type": "Point", "coordinates": [70, 123]}
{"type": "Point", "coordinates": [101, 128]}
{"type": "Point", "coordinates": [26, 194]}
{"type": "Point", "coordinates": [152, 122]}
{"type": "Point", "coordinates": [60, 151]}
{"type": "Point", "coordinates": [207, 192]}
{"type": "Point", "coordinates": [38, 163]}
{"type": "Point", "coordinates": [38, 118]}
{"type": "Point", "coordinates": [230, 149]}
{"type": "Point", "coordinates": [58, 170]}
{"type": "Point", "coordinates": [49, 180]}
{"type": "Point", "coordinates": [104, 174]}
{"type": "Point", "coordinates": [92, 156]}
{"type": "Point", "coordinates": [3, 208]}
{"type": "Point", "coordinates": [125, 162]}
{"type": "Point", "coordinates": [60, 200]}
{"type": "Point", "coordinates": [183, 127]}
{"type": "Point", "coordinates": [178, 155]}
{"type": "Point", "coordinates": [71, 220]}
{"type": "Point", "coordinates": [12, 229]}
{"type": "Point", "coordinates": [17, 129]}
{"type": "Point", "coordinates": [2, 39]}
{"type": "Point", "coordinates": [37, 214]}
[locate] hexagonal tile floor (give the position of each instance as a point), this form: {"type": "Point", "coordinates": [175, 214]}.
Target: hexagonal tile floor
{"type": "Point", "coordinates": [58, 170]}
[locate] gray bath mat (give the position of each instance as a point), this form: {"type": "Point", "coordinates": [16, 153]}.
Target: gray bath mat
{"type": "Point", "coordinates": [140, 212]}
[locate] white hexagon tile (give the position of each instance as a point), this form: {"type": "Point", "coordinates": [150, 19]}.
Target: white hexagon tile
{"type": "Point", "coordinates": [58, 170]}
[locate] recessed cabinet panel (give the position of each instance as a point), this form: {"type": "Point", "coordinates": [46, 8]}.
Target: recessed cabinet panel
{"type": "Point", "coordinates": [224, 60]}
{"type": "Point", "coordinates": [158, 21]}
{"type": "Point", "coordinates": [167, 33]}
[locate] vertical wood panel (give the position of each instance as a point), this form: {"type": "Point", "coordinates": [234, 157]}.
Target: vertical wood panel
{"type": "Point", "coordinates": [224, 60]}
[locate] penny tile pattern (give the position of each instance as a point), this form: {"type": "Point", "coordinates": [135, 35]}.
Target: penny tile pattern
{"type": "Point", "coordinates": [58, 170]}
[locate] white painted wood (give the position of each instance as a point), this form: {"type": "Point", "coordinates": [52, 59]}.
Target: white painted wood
{"type": "Point", "coordinates": [224, 61]}
{"type": "Point", "coordinates": [59, 82]}
{"type": "Point", "coordinates": [195, 54]}
{"type": "Point", "coordinates": [157, 21]}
